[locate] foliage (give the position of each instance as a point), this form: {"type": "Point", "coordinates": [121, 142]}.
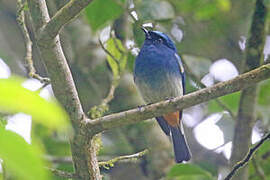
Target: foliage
{"type": "Point", "coordinates": [231, 100]}
{"type": "Point", "coordinates": [14, 98]}
{"type": "Point", "coordinates": [189, 171]}
{"type": "Point", "coordinates": [22, 159]}
{"type": "Point", "coordinates": [203, 10]}
{"type": "Point", "coordinates": [100, 12]}
{"type": "Point", "coordinates": [118, 59]}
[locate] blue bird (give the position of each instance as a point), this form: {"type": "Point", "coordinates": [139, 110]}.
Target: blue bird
{"type": "Point", "coordinates": [159, 75]}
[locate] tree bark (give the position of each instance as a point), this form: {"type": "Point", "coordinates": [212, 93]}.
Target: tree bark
{"type": "Point", "coordinates": [83, 152]}
{"type": "Point", "coordinates": [248, 99]}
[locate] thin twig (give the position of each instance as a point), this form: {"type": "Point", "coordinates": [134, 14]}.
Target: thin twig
{"type": "Point", "coordinates": [110, 95]}
{"type": "Point", "coordinates": [130, 158]}
{"type": "Point", "coordinates": [108, 52]}
{"type": "Point", "coordinates": [42, 87]}
{"type": "Point", "coordinates": [98, 111]}
{"type": "Point", "coordinates": [115, 81]}
{"type": "Point", "coordinates": [201, 85]}
{"type": "Point", "coordinates": [243, 162]}
{"type": "Point", "coordinates": [28, 43]}
{"type": "Point", "coordinates": [126, 158]}
{"type": "Point", "coordinates": [63, 174]}
{"type": "Point", "coordinates": [62, 17]}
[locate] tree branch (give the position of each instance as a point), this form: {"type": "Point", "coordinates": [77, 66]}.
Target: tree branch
{"type": "Point", "coordinates": [201, 85]}
{"type": "Point", "coordinates": [105, 164]}
{"type": "Point", "coordinates": [247, 158]}
{"type": "Point", "coordinates": [124, 158]}
{"type": "Point", "coordinates": [28, 44]}
{"type": "Point", "coordinates": [132, 157]}
{"type": "Point", "coordinates": [248, 99]}
{"type": "Point", "coordinates": [83, 156]}
{"type": "Point", "coordinates": [62, 17]}
{"type": "Point", "coordinates": [163, 107]}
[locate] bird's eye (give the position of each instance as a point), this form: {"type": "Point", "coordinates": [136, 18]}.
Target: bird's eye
{"type": "Point", "coordinates": [159, 40]}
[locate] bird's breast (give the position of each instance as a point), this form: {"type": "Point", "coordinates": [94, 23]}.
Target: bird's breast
{"type": "Point", "coordinates": [157, 74]}
{"type": "Point", "coordinates": [156, 82]}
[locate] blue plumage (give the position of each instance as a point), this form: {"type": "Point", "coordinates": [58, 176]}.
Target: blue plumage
{"type": "Point", "coordinates": [159, 75]}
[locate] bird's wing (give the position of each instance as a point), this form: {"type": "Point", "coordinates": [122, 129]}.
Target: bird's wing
{"type": "Point", "coordinates": [164, 125]}
{"type": "Point", "coordinates": [182, 72]}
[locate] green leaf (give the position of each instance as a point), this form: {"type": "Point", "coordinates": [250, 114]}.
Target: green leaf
{"type": "Point", "coordinates": [139, 36]}
{"type": "Point", "coordinates": [231, 100]}
{"type": "Point", "coordinates": [264, 102]}
{"type": "Point", "coordinates": [21, 158]}
{"type": "Point", "coordinates": [224, 5]}
{"type": "Point", "coordinates": [189, 171]}
{"type": "Point", "coordinates": [3, 123]}
{"type": "Point", "coordinates": [264, 94]}
{"type": "Point", "coordinates": [14, 98]}
{"type": "Point", "coordinates": [99, 12]}
{"type": "Point", "coordinates": [203, 10]}
{"type": "Point", "coordinates": [264, 148]}
{"type": "Point", "coordinates": [117, 50]}
{"type": "Point", "coordinates": [207, 11]}
{"type": "Point", "coordinates": [190, 85]}
{"type": "Point", "coordinates": [130, 62]}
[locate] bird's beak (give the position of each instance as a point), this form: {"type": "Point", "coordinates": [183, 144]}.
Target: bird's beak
{"type": "Point", "coordinates": [146, 32]}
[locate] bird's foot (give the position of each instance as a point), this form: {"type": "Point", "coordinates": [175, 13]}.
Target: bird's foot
{"type": "Point", "coordinates": [170, 99]}
{"type": "Point", "coordinates": [140, 107]}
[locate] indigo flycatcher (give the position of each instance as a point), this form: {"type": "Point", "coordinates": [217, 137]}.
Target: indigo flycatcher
{"type": "Point", "coordinates": [159, 75]}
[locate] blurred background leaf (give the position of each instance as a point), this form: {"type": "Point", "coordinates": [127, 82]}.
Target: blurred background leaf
{"type": "Point", "coordinates": [14, 98]}
{"type": "Point", "coordinates": [231, 101]}
{"type": "Point", "coordinates": [264, 98]}
{"type": "Point", "coordinates": [189, 171]}
{"type": "Point", "coordinates": [118, 63]}
{"type": "Point", "coordinates": [22, 159]}
{"type": "Point", "coordinates": [100, 12]}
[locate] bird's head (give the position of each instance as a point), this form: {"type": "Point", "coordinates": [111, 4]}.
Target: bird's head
{"type": "Point", "coordinates": [157, 37]}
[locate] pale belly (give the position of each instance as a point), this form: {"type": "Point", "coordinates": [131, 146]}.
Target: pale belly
{"type": "Point", "coordinates": [159, 86]}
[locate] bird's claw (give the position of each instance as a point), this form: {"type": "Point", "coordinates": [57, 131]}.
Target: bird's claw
{"type": "Point", "coordinates": [169, 99]}
{"type": "Point", "coordinates": [140, 107]}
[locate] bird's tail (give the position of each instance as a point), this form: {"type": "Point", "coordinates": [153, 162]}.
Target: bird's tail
{"type": "Point", "coordinates": [181, 149]}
